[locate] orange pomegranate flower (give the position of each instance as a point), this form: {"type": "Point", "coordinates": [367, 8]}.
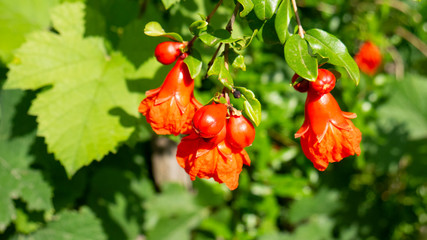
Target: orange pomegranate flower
{"type": "Point", "coordinates": [327, 134]}
{"type": "Point", "coordinates": [206, 159]}
{"type": "Point", "coordinates": [368, 58]}
{"type": "Point", "coordinates": [170, 108]}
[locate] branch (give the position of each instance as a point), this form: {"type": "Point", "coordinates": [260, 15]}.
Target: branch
{"type": "Point", "coordinates": [208, 19]}
{"type": "Point", "coordinates": [414, 40]}
{"type": "Point", "coordinates": [300, 29]}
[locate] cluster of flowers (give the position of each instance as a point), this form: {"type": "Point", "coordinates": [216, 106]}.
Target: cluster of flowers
{"type": "Point", "coordinates": [327, 134]}
{"type": "Point", "coordinates": [217, 133]}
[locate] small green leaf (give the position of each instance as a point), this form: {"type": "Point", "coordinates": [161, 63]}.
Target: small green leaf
{"type": "Point", "coordinates": [198, 26]}
{"type": "Point", "coordinates": [252, 106]}
{"type": "Point", "coordinates": [194, 63]}
{"type": "Point", "coordinates": [214, 36]}
{"type": "Point", "coordinates": [239, 62]}
{"type": "Point", "coordinates": [283, 18]}
{"type": "Point", "coordinates": [154, 29]}
{"type": "Point", "coordinates": [299, 59]}
{"type": "Point", "coordinates": [169, 3]}
{"type": "Point", "coordinates": [265, 9]}
{"type": "Point", "coordinates": [224, 76]}
{"type": "Point", "coordinates": [328, 46]}
{"type": "Point", "coordinates": [248, 5]}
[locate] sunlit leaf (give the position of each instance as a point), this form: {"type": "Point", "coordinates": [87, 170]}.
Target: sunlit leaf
{"type": "Point", "coordinates": [218, 68]}
{"type": "Point", "coordinates": [79, 116]}
{"type": "Point", "coordinates": [252, 107]}
{"type": "Point", "coordinates": [194, 63]}
{"type": "Point", "coordinates": [328, 46]}
{"type": "Point", "coordinates": [154, 29]}
{"type": "Point", "coordinates": [299, 59]}
{"type": "Point", "coordinates": [248, 5]}
{"type": "Point", "coordinates": [283, 18]}
{"type": "Point", "coordinates": [198, 26]}
{"type": "Point", "coordinates": [265, 9]}
{"type": "Point", "coordinates": [18, 18]}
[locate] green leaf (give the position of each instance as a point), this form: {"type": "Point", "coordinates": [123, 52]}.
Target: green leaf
{"type": "Point", "coordinates": [198, 26]}
{"type": "Point", "coordinates": [73, 24]}
{"type": "Point", "coordinates": [169, 3]}
{"type": "Point", "coordinates": [248, 5]}
{"type": "Point", "coordinates": [407, 105]}
{"type": "Point", "coordinates": [18, 18]}
{"type": "Point", "coordinates": [194, 63]}
{"type": "Point", "coordinates": [283, 18]}
{"type": "Point", "coordinates": [172, 214]}
{"type": "Point", "coordinates": [328, 46]}
{"type": "Point", "coordinates": [224, 76]}
{"type": "Point", "coordinates": [154, 29]}
{"type": "Point", "coordinates": [288, 185]}
{"type": "Point", "coordinates": [239, 62]}
{"type": "Point", "coordinates": [82, 225]}
{"type": "Point", "coordinates": [306, 207]}
{"type": "Point", "coordinates": [252, 106]}
{"type": "Point", "coordinates": [80, 115]}
{"type": "Point", "coordinates": [17, 179]}
{"type": "Point", "coordinates": [299, 59]}
{"type": "Point", "coordinates": [214, 36]}
{"type": "Point", "coordinates": [265, 9]}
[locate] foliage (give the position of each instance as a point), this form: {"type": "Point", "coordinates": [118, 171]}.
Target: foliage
{"type": "Point", "coordinates": [72, 74]}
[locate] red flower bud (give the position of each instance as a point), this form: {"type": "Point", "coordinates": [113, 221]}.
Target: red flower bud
{"type": "Point", "coordinates": [167, 52]}
{"type": "Point", "coordinates": [324, 83]}
{"type": "Point", "coordinates": [302, 86]}
{"type": "Point", "coordinates": [368, 58]}
{"type": "Point", "coordinates": [240, 132]}
{"type": "Point", "coordinates": [209, 120]}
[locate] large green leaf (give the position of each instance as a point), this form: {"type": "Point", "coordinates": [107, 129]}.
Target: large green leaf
{"type": "Point", "coordinates": [17, 179]}
{"type": "Point", "coordinates": [18, 18]}
{"type": "Point", "coordinates": [172, 214]}
{"type": "Point", "coordinates": [283, 18]}
{"type": "Point", "coordinates": [407, 105]}
{"type": "Point", "coordinates": [82, 225]}
{"type": "Point", "coordinates": [328, 46]}
{"type": "Point", "coordinates": [265, 9]}
{"type": "Point", "coordinates": [80, 114]}
{"type": "Point", "coordinates": [299, 59]}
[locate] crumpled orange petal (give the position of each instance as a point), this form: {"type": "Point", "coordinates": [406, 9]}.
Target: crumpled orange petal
{"type": "Point", "coordinates": [202, 159]}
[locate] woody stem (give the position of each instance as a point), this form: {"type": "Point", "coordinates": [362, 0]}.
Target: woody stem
{"type": "Point", "coordinates": [208, 19]}
{"type": "Point", "coordinates": [300, 29]}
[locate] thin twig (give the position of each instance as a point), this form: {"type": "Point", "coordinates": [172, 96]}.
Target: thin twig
{"type": "Point", "coordinates": [414, 40]}
{"type": "Point", "coordinates": [229, 28]}
{"type": "Point", "coordinates": [399, 66]}
{"type": "Point", "coordinates": [208, 19]}
{"type": "Point", "coordinates": [212, 60]}
{"type": "Point", "coordinates": [300, 29]}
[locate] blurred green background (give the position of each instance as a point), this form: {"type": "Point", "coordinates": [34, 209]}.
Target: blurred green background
{"type": "Point", "coordinates": [382, 194]}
